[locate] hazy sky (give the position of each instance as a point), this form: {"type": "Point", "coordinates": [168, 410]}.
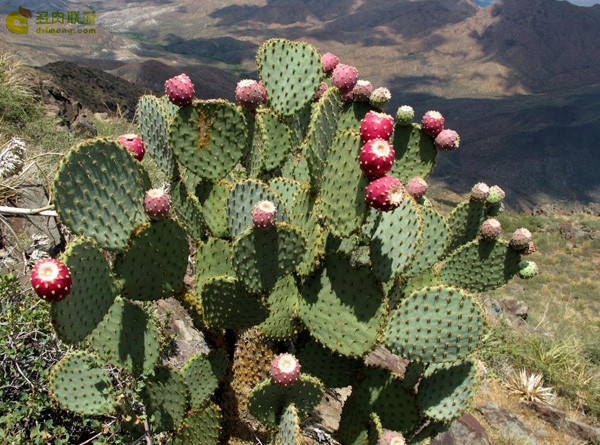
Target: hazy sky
{"type": "Point", "coordinates": [585, 2]}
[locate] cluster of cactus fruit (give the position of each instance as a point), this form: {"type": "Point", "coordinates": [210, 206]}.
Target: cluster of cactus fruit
{"type": "Point", "coordinates": [311, 230]}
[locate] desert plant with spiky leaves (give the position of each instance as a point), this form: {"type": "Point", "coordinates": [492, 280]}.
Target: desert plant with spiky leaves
{"type": "Point", "coordinates": [329, 278]}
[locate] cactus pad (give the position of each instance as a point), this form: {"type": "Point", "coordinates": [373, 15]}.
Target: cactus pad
{"type": "Point", "coordinates": [276, 139]}
{"type": "Point", "coordinates": [261, 257]}
{"type": "Point", "coordinates": [416, 154]}
{"type": "Point", "coordinates": [283, 305]}
{"type": "Point", "coordinates": [447, 390]}
{"type": "Point", "coordinates": [127, 338]}
{"type": "Point", "coordinates": [93, 293]}
{"type": "Point", "coordinates": [292, 84]}
{"type": "Point", "coordinates": [288, 431]}
{"type": "Point", "coordinates": [188, 211]}
{"type": "Point", "coordinates": [202, 375]}
{"type": "Point", "coordinates": [213, 258]}
{"type": "Point", "coordinates": [80, 383]}
{"type": "Point", "coordinates": [481, 265]}
{"type": "Point", "coordinates": [213, 197]}
{"type": "Point", "coordinates": [99, 192]}
{"type": "Point", "coordinates": [201, 426]}
{"type": "Point", "coordinates": [155, 263]}
{"type": "Point", "coordinates": [342, 307]}
{"type": "Point", "coordinates": [436, 324]}
{"type": "Point", "coordinates": [464, 223]}
{"type": "Point", "coordinates": [165, 395]}
{"type": "Point", "coordinates": [208, 137]}
{"type": "Point", "coordinates": [343, 188]}
{"type": "Point", "coordinates": [351, 116]}
{"type": "Point", "coordinates": [435, 240]}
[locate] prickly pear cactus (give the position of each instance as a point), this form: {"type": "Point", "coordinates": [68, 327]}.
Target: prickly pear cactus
{"type": "Point", "coordinates": [329, 279]}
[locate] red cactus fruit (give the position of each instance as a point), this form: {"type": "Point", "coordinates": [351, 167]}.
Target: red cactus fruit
{"type": "Point", "coordinates": [264, 214]}
{"type": "Point", "coordinates": [362, 91]}
{"type": "Point", "coordinates": [51, 280]}
{"type": "Point", "coordinates": [250, 94]}
{"type": "Point", "coordinates": [320, 91]}
{"type": "Point", "coordinates": [329, 62]}
{"type": "Point", "coordinates": [134, 144]}
{"type": "Point", "coordinates": [348, 97]}
{"type": "Point", "coordinates": [528, 250]}
{"type": "Point", "coordinates": [447, 140]}
{"type": "Point", "coordinates": [376, 158]}
{"type": "Point", "coordinates": [157, 203]}
{"type": "Point", "coordinates": [385, 193]}
{"type": "Point", "coordinates": [520, 239]}
{"type": "Point", "coordinates": [344, 77]}
{"type": "Point", "coordinates": [262, 89]}
{"type": "Point", "coordinates": [490, 229]}
{"type": "Point", "coordinates": [392, 438]}
{"type": "Point", "coordinates": [433, 123]}
{"type": "Point", "coordinates": [285, 369]}
{"type": "Point", "coordinates": [480, 192]}
{"type": "Point", "coordinates": [180, 90]}
{"type": "Point", "coordinates": [376, 125]}
{"type": "Point", "coordinates": [416, 187]}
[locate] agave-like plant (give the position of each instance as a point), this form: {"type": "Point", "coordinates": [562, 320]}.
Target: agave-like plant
{"type": "Point", "coordinates": [530, 387]}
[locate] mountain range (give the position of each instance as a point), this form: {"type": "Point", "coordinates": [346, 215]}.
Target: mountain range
{"type": "Point", "coordinates": [518, 79]}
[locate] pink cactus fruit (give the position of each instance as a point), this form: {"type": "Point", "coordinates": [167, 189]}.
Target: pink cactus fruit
{"type": "Point", "coordinates": [529, 249]}
{"type": "Point", "coordinates": [520, 239]}
{"type": "Point", "coordinates": [348, 97]}
{"type": "Point", "coordinates": [51, 280]}
{"type": "Point", "coordinates": [263, 91]}
{"type": "Point", "coordinates": [380, 97]}
{"type": "Point", "coordinates": [264, 214]}
{"type": "Point", "coordinates": [249, 94]}
{"type": "Point", "coordinates": [447, 140]}
{"type": "Point", "coordinates": [433, 123]}
{"type": "Point", "coordinates": [416, 187]}
{"type": "Point", "coordinates": [329, 62]}
{"type": "Point", "coordinates": [490, 229]}
{"type": "Point", "coordinates": [285, 369]}
{"type": "Point", "coordinates": [344, 77]}
{"type": "Point", "coordinates": [385, 193]}
{"type": "Point", "coordinates": [376, 158]}
{"type": "Point", "coordinates": [320, 91]}
{"type": "Point", "coordinates": [376, 125]}
{"type": "Point", "coordinates": [362, 91]}
{"type": "Point", "coordinates": [480, 192]}
{"type": "Point", "coordinates": [392, 438]}
{"type": "Point", "coordinates": [134, 144]}
{"type": "Point", "coordinates": [180, 90]}
{"type": "Point", "coordinates": [157, 203]}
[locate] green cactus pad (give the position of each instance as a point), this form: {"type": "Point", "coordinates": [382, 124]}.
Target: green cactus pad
{"type": "Point", "coordinates": [303, 215]}
{"type": "Point", "coordinates": [293, 83]}
{"type": "Point", "coordinates": [436, 324]}
{"type": "Point", "coordinates": [213, 258]}
{"type": "Point", "coordinates": [188, 211]}
{"type": "Point", "coordinates": [283, 306]}
{"type": "Point", "coordinates": [334, 370]}
{"type": "Point", "coordinates": [202, 375]}
{"type": "Point", "coordinates": [415, 152]}
{"type": "Point", "coordinates": [155, 263]}
{"type": "Point", "coordinates": [434, 242]}
{"type": "Point", "coordinates": [127, 338]}
{"type": "Point", "coordinates": [80, 383]}
{"type": "Point", "coordinates": [481, 265]}
{"type": "Point", "coordinates": [243, 196]}
{"type": "Point", "coordinates": [396, 240]}
{"type": "Point", "coordinates": [99, 192]}
{"type": "Point", "coordinates": [261, 257]}
{"type": "Point", "coordinates": [321, 132]}
{"type": "Point", "coordinates": [342, 307]}
{"type": "Point", "coordinates": [92, 294]}
{"type": "Point", "coordinates": [165, 396]}
{"type": "Point", "coordinates": [286, 189]}
{"type": "Point", "coordinates": [412, 375]}
{"type": "Point", "coordinates": [298, 124]}
{"type": "Point", "coordinates": [276, 139]}
{"type": "Point", "coordinates": [464, 223]}
{"type": "Point", "coordinates": [343, 201]}
{"type": "Point", "coordinates": [351, 116]}
{"type": "Point", "coordinates": [213, 197]}
{"type": "Point", "coordinates": [268, 400]}
{"type": "Point", "coordinates": [227, 305]}
{"type": "Point", "coordinates": [153, 121]}
{"type": "Point", "coordinates": [200, 427]}
{"type": "Point", "coordinates": [208, 137]}
{"type": "Point", "coordinates": [446, 390]}
{"type": "Point", "coordinates": [354, 423]}
{"type": "Point", "coordinates": [288, 431]}
{"type": "Point", "coordinates": [375, 429]}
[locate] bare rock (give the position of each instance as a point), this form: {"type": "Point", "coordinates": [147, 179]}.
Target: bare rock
{"type": "Point", "coordinates": [558, 418]}
{"type": "Point", "coordinates": [512, 309]}
{"type": "Point", "coordinates": [506, 421]}
{"type": "Point", "coordinates": [464, 431]}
